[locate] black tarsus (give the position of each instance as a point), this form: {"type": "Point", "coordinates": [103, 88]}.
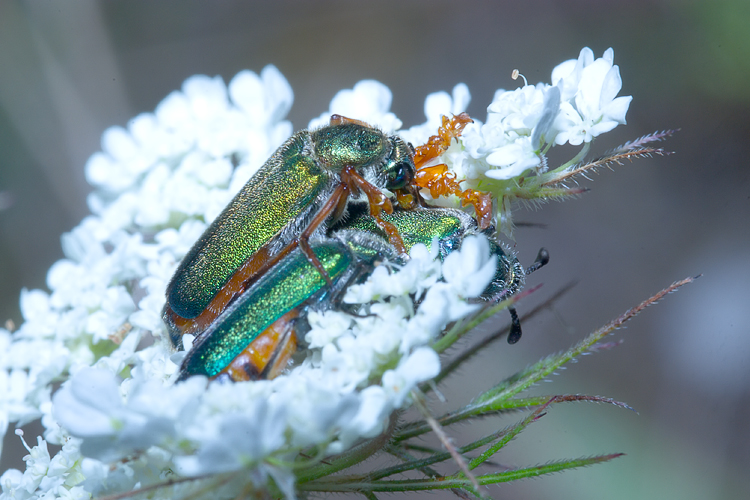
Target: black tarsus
{"type": "Point", "coordinates": [542, 258]}
{"type": "Point", "coordinates": [515, 326]}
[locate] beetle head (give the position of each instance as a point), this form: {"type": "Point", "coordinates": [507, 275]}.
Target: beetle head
{"type": "Point", "coordinates": [399, 165]}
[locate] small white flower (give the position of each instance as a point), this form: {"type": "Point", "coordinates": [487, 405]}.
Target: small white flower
{"type": "Point", "coordinates": [420, 272]}
{"type": "Point", "coordinates": [37, 464]}
{"type": "Point", "coordinates": [509, 143]}
{"type": "Point", "coordinates": [66, 465]}
{"type": "Point", "coordinates": [75, 493]}
{"type": "Point", "coordinates": [269, 96]}
{"type": "Point", "coordinates": [517, 110]}
{"type": "Point", "coordinates": [567, 75]}
{"type": "Point", "coordinates": [241, 440]}
{"type": "Point", "coordinates": [551, 108]}
{"type": "Point", "coordinates": [345, 366]}
{"type": "Point", "coordinates": [470, 269]}
{"type": "Point", "coordinates": [89, 406]}
{"type": "Point", "coordinates": [590, 104]}
{"type": "Point", "coordinates": [326, 327]}
{"type": "Point", "coordinates": [513, 159]}
{"type": "Point", "coordinates": [369, 101]}
{"type": "Point", "coordinates": [369, 421]}
{"type": "Point", "coordinates": [440, 104]}
{"type": "Point", "coordinates": [36, 311]}
{"type": "Point", "coordinates": [10, 482]}
{"type": "Point", "coordinates": [17, 391]}
{"type": "Point", "coordinates": [116, 305]}
{"type": "Point", "coordinates": [423, 364]}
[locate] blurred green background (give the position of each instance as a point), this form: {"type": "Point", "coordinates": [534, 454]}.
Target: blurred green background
{"type": "Point", "coordinates": [68, 70]}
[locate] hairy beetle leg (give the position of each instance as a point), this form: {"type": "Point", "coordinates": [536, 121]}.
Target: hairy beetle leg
{"type": "Point", "coordinates": [341, 120]}
{"type": "Point", "coordinates": [378, 203]}
{"type": "Point", "coordinates": [436, 145]}
{"type": "Point", "coordinates": [542, 259]}
{"type": "Point", "coordinates": [351, 183]}
{"type": "Point", "coordinates": [515, 326]}
{"type": "Point", "coordinates": [438, 180]}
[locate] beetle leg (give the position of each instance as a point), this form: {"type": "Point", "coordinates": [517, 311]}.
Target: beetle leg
{"type": "Point", "coordinates": [283, 354]}
{"type": "Point", "coordinates": [302, 241]}
{"type": "Point", "coordinates": [341, 120]}
{"type": "Point", "coordinates": [514, 335]}
{"type": "Point", "coordinates": [515, 326]}
{"type": "Point", "coordinates": [407, 200]}
{"type": "Point", "coordinates": [435, 178]}
{"type": "Point", "coordinates": [542, 258]}
{"type": "Point", "coordinates": [342, 204]}
{"type": "Point", "coordinates": [341, 192]}
{"type": "Point", "coordinates": [438, 144]}
{"type": "Point", "coordinates": [482, 203]}
{"type": "Point", "coordinates": [378, 202]}
{"type": "Point", "coordinates": [438, 180]}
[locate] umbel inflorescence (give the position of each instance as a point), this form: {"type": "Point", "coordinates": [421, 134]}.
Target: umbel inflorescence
{"type": "Point", "coordinates": [92, 362]}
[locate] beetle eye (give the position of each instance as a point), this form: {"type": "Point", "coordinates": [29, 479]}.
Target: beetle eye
{"type": "Point", "coordinates": [400, 175]}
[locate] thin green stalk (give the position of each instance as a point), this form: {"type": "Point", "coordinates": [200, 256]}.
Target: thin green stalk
{"type": "Point", "coordinates": [466, 354]}
{"type": "Point", "coordinates": [575, 160]}
{"type": "Point", "coordinates": [549, 365]}
{"type": "Point", "coordinates": [349, 458]}
{"type": "Point", "coordinates": [513, 432]}
{"type": "Point", "coordinates": [457, 482]}
{"type": "Point", "coordinates": [413, 463]}
{"type": "Point", "coordinates": [503, 392]}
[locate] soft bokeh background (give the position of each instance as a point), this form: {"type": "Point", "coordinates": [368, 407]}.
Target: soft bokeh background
{"type": "Point", "coordinates": [68, 70]}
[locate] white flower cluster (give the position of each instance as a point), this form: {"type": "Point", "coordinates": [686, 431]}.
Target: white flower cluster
{"type": "Point", "coordinates": [157, 183]}
{"type": "Point", "coordinates": [580, 103]}
{"type": "Point", "coordinates": [60, 476]}
{"type": "Point", "coordinates": [121, 420]}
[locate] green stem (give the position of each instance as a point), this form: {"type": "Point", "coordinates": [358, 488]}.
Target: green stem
{"type": "Point", "coordinates": [499, 397]}
{"type": "Point", "coordinates": [471, 351]}
{"type": "Point", "coordinates": [352, 457]}
{"type": "Point", "coordinates": [512, 432]}
{"type": "Point", "coordinates": [456, 482]}
{"type": "Point", "coordinates": [576, 159]}
{"type": "Point", "coordinates": [462, 328]}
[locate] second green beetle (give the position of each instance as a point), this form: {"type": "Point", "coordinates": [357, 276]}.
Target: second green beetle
{"type": "Point", "coordinates": [257, 334]}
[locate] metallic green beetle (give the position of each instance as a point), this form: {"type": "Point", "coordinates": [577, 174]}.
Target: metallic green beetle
{"type": "Point", "coordinates": [426, 224]}
{"type": "Point", "coordinates": [255, 336]}
{"type": "Point", "coordinates": [295, 196]}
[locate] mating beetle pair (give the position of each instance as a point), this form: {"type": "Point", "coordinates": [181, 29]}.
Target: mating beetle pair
{"type": "Point", "coordinates": [306, 182]}
{"type": "Point", "coordinates": [260, 265]}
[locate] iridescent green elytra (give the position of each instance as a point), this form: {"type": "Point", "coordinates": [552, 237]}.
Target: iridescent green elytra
{"type": "Point", "coordinates": [287, 285]}
{"type": "Point", "coordinates": [277, 204]}
{"type": "Point", "coordinates": [349, 255]}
